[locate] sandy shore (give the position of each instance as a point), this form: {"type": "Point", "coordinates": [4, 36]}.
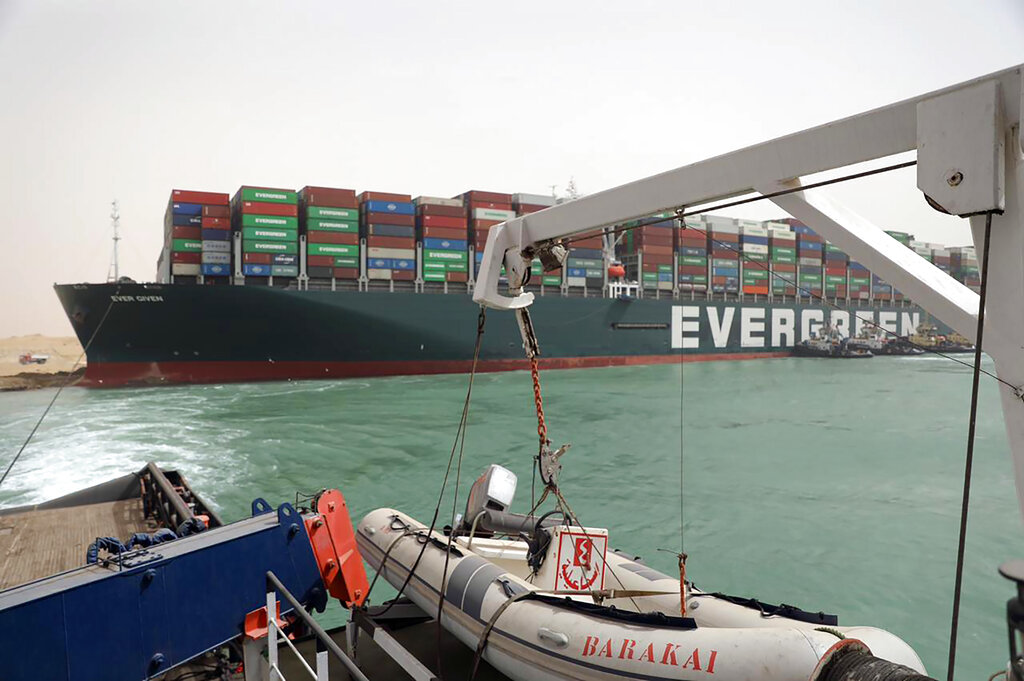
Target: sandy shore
{"type": "Point", "coordinates": [63, 353]}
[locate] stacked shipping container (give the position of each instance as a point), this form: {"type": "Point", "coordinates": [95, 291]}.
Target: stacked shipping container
{"type": "Point", "coordinates": [329, 218]}
{"type": "Point", "coordinates": [269, 223]}
{"type": "Point", "coordinates": [964, 266]}
{"type": "Point", "coordinates": [388, 222]}
{"type": "Point", "coordinates": [810, 260]}
{"type": "Point", "coordinates": [724, 241]}
{"type": "Point", "coordinates": [782, 251]}
{"type": "Point", "coordinates": [860, 281]}
{"type": "Point", "coordinates": [836, 271]}
{"type": "Point", "coordinates": [443, 228]}
{"type": "Point", "coordinates": [692, 252]}
{"type": "Point", "coordinates": [648, 252]}
{"type": "Point", "coordinates": [197, 235]}
{"type": "Point", "coordinates": [484, 210]}
{"type": "Point", "coordinates": [754, 246]}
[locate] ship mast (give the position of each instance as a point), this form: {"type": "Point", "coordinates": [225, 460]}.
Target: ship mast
{"type": "Point", "coordinates": [113, 272]}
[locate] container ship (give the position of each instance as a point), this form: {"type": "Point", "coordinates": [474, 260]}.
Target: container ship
{"type": "Point", "coordinates": [277, 284]}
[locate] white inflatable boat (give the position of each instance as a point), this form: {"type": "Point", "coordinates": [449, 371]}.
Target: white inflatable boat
{"type": "Point", "coordinates": [552, 602]}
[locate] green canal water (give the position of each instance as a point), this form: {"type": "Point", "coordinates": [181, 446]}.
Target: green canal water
{"type": "Point", "coordinates": [831, 485]}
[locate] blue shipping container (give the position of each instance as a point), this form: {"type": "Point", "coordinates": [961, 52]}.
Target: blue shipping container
{"type": "Point", "coordinates": [588, 253]}
{"type": "Point", "coordinates": [251, 270]}
{"type": "Point", "coordinates": [216, 270]}
{"type": "Point", "coordinates": [396, 207]}
{"type": "Point", "coordinates": [380, 263]}
{"type": "Point", "coordinates": [216, 235]}
{"type": "Point", "coordinates": [446, 244]}
{"type": "Point", "coordinates": [403, 264]}
{"type": "Point", "coordinates": [391, 230]}
{"type": "Point", "coordinates": [810, 245]}
{"type": "Point", "coordinates": [801, 229]}
{"type": "Point", "coordinates": [699, 252]}
{"type": "Point", "coordinates": [664, 276]}
{"type": "Point", "coordinates": [575, 272]}
{"type": "Point", "coordinates": [186, 220]}
{"type": "Point", "coordinates": [284, 270]}
{"type": "Point", "coordinates": [747, 239]}
{"type": "Point", "coordinates": [187, 209]}
{"type": "Point", "coordinates": [285, 259]}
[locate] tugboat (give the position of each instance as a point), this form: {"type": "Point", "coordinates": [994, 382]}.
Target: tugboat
{"type": "Point", "coordinates": [829, 343]}
{"type": "Point", "coordinates": [929, 338]}
{"type": "Point", "coordinates": [877, 343]}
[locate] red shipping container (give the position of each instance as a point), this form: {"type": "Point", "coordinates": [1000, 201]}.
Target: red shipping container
{"type": "Point", "coordinates": [477, 195]}
{"type": "Point", "coordinates": [186, 258]}
{"type": "Point", "coordinates": [690, 241]}
{"type": "Point", "coordinates": [458, 277]}
{"type": "Point", "coordinates": [658, 258]}
{"type": "Point", "coordinates": [442, 221]}
{"type": "Point", "coordinates": [217, 211]}
{"type": "Point", "coordinates": [346, 272]}
{"type": "Point", "coordinates": [725, 237]}
{"type": "Point", "coordinates": [447, 211]}
{"type": "Point", "coordinates": [261, 258]}
{"type": "Point", "coordinates": [318, 237]}
{"type": "Point", "coordinates": [328, 197]}
{"type": "Point", "coordinates": [484, 224]}
{"type": "Point", "coordinates": [649, 267]}
{"type": "Point", "coordinates": [693, 269]}
{"type": "Point", "coordinates": [389, 219]}
{"type": "Point", "coordinates": [261, 208]}
{"type": "Point", "coordinates": [835, 271]}
{"type": "Point", "coordinates": [809, 239]}
{"type": "Point", "coordinates": [216, 223]}
{"type": "Point", "coordinates": [210, 198]}
{"type": "Point", "coordinates": [314, 260]}
{"type": "Point", "coordinates": [727, 253]}
{"type": "Point", "coordinates": [473, 205]}
{"type": "Point", "coordinates": [594, 242]}
{"type": "Point", "coordinates": [384, 196]}
{"type": "Point", "coordinates": [445, 233]}
{"type": "Point", "coordinates": [525, 208]}
{"type": "Point", "coordinates": [654, 240]}
{"type": "Point", "coordinates": [763, 290]}
{"type": "Point", "coordinates": [783, 267]}
{"type": "Point", "coordinates": [186, 233]}
{"type": "Point", "coordinates": [390, 242]}
{"type": "Point", "coordinates": [402, 275]}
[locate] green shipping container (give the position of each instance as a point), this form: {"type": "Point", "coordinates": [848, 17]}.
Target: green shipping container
{"type": "Point", "coordinates": [439, 266]}
{"type": "Point", "coordinates": [269, 221]}
{"type": "Point", "coordinates": [434, 275]}
{"type": "Point", "coordinates": [859, 281]}
{"type": "Point", "coordinates": [332, 249]}
{"type": "Point", "coordinates": [784, 259]}
{"type": "Point", "coordinates": [320, 225]}
{"type": "Point", "coordinates": [597, 274]}
{"type": "Point", "coordinates": [698, 279]}
{"type": "Point", "coordinates": [583, 263]}
{"type": "Point", "coordinates": [811, 278]}
{"type": "Point", "coordinates": [269, 196]}
{"type": "Point", "coordinates": [186, 246]}
{"type": "Point", "coordinates": [755, 274]}
{"type": "Point", "coordinates": [345, 214]}
{"type": "Point", "coordinates": [835, 279]}
{"type": "Point", "coordinates": [550, 280]}
{"type": "Point", "coordinates": [289, 247]}
{"type": "Point", "coordinates": [783, 250]}
{"type": "Point", "coordinates": [452, 256]}
{"type": "Point", "coordinates": [650, 276]}
{"type": "Point", "coordinates": [455, 266]}
{"type": "Point", "coordinates": [268, 234]}
{"type": "Point", "coordinates": [755, 257]}
{"type": "Point", "coordinates": [661, 268]}
{"type": "Point", "coordinates": [693, 260]}
{"type": "Point", "coordinates": [347, 262]}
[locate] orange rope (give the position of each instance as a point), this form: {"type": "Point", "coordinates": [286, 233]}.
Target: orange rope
{"type": "Point", "coordinates": [542, 428]}
{"type": "Point", "coordinates": [682, 584]}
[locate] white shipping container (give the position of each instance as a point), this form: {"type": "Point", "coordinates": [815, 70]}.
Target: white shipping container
{"type": "Point", "coordinates": [748, 223]}
{"type": "Point", "coordinates": [216, 258]}
{"type": "Point", "coordinates": [576, 281]}
{"type": "Point", "coordinates": [216, 247]}
{"type": "Point", "coordinates": [437, 201]}
{"type": "Point", "coordinates": [378, 274]}
{"type": "Point", "coordinates": [399, 253]}
{"type": "Point", "coordinates": [535, 199]}
{"type": "Point", "coordinates": [940, 252]}
{"type": "Point", "coordinates": [723, 228]}
{"type": "Point", "coordinates": [782, 234]}
{"type": "Point", "coordinates": [753, 230]}
{"type": "Point", "coordinates": [665, 285]}
{"type": "Point", "coordinates": [492, 214]}
{"type": "Point", "coordinates": [768, 224]}
{"type": "Point", "coordinates": [963, 250]}
{"type": "Point", "coordinates": [718, 220]}
{"type": "Point", "coordinates": [755, 248]}
{"type": "Point", "coordinates": [809, 262]}
{"type": "Point", "coordinates": [915, 245]}
{"type": "Point", "coordinates": [184, 269]}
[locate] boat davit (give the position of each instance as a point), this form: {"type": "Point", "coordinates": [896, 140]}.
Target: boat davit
{"type": "Point", "coordinates": [541, 598]}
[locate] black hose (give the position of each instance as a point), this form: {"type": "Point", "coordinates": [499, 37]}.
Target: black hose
{"type": "Point", "coordinates": [856, 665]}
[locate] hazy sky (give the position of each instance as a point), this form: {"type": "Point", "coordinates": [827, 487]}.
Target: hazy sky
{"type": "Point", "coordinates": [131, 99]}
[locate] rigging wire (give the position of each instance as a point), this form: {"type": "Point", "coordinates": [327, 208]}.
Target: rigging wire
{"type": "Point", "coordinates": [969, 462]}
{"type": "Point", "coordinates": [60, 389]}
{"type": "Point", "coordinates": [460, 438]}
{"type": "Point", "coordinates": [424, 539]}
